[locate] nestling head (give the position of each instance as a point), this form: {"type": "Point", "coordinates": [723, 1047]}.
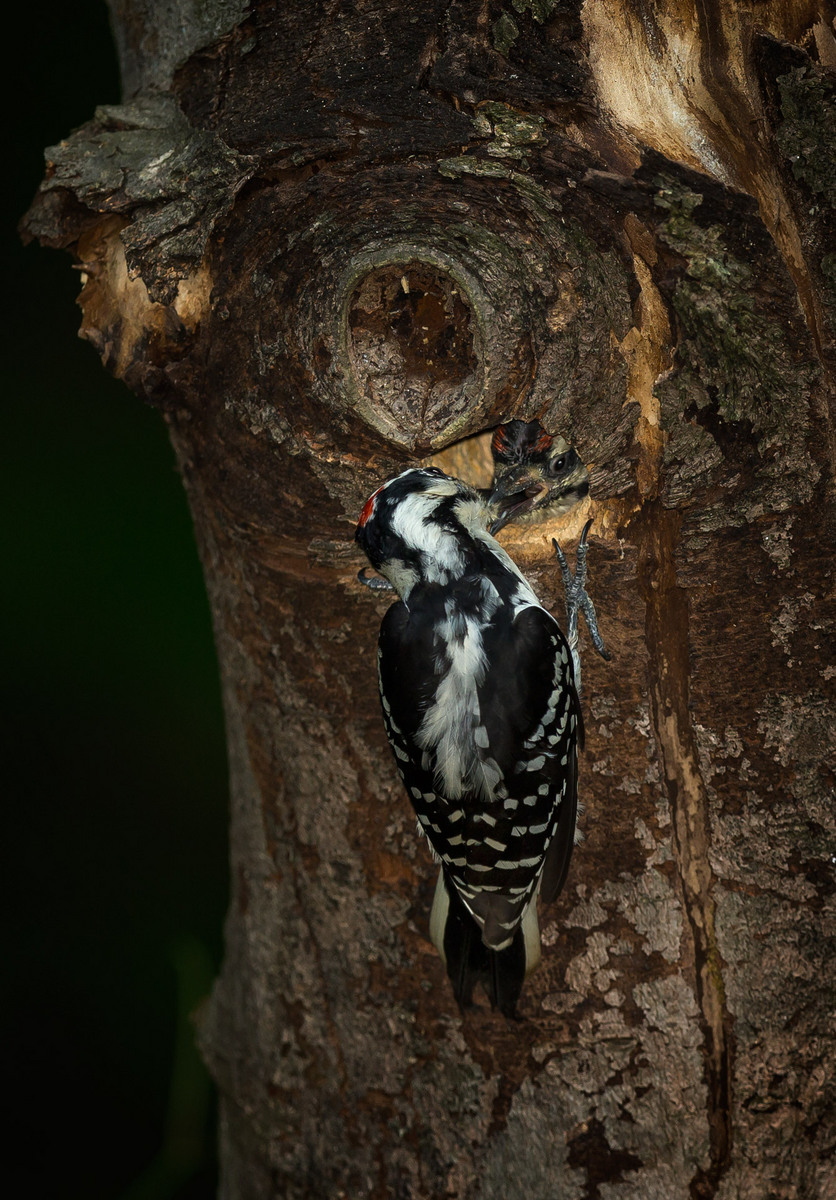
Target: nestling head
{"type": "Point", "coordinates": [537, 476]}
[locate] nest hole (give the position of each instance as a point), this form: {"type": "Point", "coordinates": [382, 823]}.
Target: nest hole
{"type": "Point", "coordinates": [412, 346]}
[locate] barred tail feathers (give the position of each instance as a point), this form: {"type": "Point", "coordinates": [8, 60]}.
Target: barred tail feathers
{"type": "Point", "coordinates": [458, 939]}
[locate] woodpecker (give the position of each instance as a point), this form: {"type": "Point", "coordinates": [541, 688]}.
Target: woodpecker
{"type": "Point", "coordinates": [536, 475]}
{"type": "Point", "coordinates": [480, 699]}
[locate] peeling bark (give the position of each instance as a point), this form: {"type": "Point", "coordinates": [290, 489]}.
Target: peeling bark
{"type": "Point", "coordinates": [668, 644]}
{"type": "Point", "coordinates": [331, 240]}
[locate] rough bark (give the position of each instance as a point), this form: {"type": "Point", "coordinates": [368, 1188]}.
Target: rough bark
{"type": "Point", "coordinates": [329, 239]}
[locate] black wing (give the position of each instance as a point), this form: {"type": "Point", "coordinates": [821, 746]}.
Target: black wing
{"type": "Point", "coordinates": [531, 712]}
{"type": "Point", "coordinates": [493, 847]}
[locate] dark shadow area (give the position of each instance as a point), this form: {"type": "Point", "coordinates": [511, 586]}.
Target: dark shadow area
{"type": "Point", "coordinates": [114, 865]}
{"type": "Point", "coordinates": [412, 342]}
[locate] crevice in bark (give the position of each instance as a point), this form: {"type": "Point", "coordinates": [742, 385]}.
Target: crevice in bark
{"type": "Point", "coordinates": [667, 626]}
{"type": "Point", "coordinates": [514, 1068]}
{"type": "Point", "coordinates": [590, 1151]}
{"type": "Point", "coordinates": [648, 351]}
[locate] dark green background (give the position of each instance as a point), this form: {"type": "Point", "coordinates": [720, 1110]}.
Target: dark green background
{"type": "Point", "coordinates": [114, 870]}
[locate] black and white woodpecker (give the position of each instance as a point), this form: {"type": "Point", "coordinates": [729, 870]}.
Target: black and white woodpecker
{"type": "Point", "coordinates": [536, 475]}
{"type": "Point", "coordinates": [479, 690]}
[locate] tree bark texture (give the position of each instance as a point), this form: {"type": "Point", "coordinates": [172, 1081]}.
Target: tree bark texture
{"type": "Point", "coordinates": [331, 239]}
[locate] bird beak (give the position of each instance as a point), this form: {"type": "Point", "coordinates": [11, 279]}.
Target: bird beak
{"type": "Point", "coordinates": [518, 493]}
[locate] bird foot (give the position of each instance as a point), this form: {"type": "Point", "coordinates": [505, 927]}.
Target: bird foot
{"type": "Point", "coordinates": [577, 599]}
{"type": "Point", "coordinates": [376, 582]}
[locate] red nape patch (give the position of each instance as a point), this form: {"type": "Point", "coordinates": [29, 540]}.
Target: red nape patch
{"type": "Point", "coordinates": [543, 442]}
{"type": "Point", "coordinates": [368, 507]}
{"type": "Point", "coordinates": [500, 440]}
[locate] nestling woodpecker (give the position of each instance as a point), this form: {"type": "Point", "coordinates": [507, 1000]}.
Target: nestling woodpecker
{"type": "Point", "coordinates": [481, 709]}
{"type": "Point", "coordinates": [536, 475]}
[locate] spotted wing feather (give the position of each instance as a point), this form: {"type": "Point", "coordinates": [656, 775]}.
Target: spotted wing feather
{"type": "Point", "coordinates": [527, 724]}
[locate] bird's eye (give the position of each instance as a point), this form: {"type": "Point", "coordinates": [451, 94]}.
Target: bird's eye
{"type": "Point", "coordinates": [557, 465]}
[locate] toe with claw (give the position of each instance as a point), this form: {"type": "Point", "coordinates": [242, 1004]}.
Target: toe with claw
{"type": "Point", "coordinates": [376, 582]}
{"type": "Point", "coordinates": [577, 599]}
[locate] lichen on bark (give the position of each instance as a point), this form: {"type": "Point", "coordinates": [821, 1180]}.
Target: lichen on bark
{"type": "Point", "coordinates": [741, 380]}
{"type": "Point", "coordinates": [806, 133]}
{"type": "Point", "coordinates": [144, 160]}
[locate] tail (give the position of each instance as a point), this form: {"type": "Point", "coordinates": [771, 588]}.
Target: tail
{"type": "Point", "coordinates": [458, 939]}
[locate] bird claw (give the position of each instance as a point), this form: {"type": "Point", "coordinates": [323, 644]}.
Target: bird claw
{"type": "Point", "coordinates": [577, 598]}
{"type": "Point", "coordinates": [375, 582]}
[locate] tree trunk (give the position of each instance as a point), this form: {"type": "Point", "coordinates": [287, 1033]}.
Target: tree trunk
{"type": "Point", "coordinates": [328, 240]}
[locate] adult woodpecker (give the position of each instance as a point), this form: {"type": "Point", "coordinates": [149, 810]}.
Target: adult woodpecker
{"type": "Point", "coordinates": [536, 475]}
{"type": "Point", "coordinates": [479, 691]}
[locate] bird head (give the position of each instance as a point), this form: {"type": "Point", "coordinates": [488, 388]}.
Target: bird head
{"type": "Point", "coordinates": [417, 526]}
{"type": "Point", "coordinates": [536, 475]}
